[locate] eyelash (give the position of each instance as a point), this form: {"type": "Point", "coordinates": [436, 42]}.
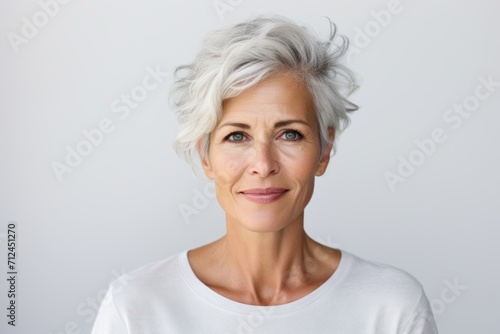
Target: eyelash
{"type": "Point", "coordinates": [300, 136]}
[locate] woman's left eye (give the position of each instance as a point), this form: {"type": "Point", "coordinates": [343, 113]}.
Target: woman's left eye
{"type": "Point", "coordinates": [292, 135]}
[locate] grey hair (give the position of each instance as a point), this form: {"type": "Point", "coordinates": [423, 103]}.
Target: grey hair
{"type": "Point", "coordinates": [239, 56]}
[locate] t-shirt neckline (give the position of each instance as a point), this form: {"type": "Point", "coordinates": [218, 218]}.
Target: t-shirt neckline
{"type": "Point", "coordinates": [233, 306]}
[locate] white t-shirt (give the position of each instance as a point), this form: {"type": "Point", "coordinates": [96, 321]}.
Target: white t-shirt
{"type": "Point", "coordinates": [361, 297]}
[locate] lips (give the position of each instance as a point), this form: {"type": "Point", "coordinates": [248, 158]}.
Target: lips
{"type": "Point", "coordinates": [264, 195]}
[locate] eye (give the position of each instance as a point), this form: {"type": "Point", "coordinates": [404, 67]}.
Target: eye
{"type": "Point", "coordinates": [292, 135]}
{"type": "Point", "coordinates": [235, 137]}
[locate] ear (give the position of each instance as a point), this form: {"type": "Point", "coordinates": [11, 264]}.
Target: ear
{"type": "Point", "coordinates": [325, 159]}
{"type": "Point", "coordinates": [205, 161]}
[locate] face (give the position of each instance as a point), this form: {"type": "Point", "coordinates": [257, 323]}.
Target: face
{"type": "Point", "coordinates": [264, 155]}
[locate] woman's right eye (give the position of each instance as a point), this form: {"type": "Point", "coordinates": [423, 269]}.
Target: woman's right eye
{"type": "Point", "coordinates": [235, 137]}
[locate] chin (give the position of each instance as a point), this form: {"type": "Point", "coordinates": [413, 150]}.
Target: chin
{"type": "Point", "coordinates": [263, 222]}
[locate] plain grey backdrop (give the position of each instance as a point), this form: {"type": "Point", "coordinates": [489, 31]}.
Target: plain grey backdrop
{"type": "Point", "coordinates": [429, 98]}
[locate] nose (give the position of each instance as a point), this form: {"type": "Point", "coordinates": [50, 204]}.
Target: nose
{"type": "Point", "coordinates": [265, 161]}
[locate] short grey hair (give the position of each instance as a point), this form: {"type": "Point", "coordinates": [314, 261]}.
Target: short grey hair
{"type": "Point", "coordinates": [239, 56]}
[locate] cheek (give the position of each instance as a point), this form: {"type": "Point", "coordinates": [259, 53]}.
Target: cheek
{"type": "Point", "coordinates": [302, 162]}
{"type": "Point", "coordinates": [227, 168]}
{"type": "Point", "coordinates": [227, 173]}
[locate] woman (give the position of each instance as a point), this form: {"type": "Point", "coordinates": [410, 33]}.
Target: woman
{"type": "Point", "coordinates": [260, 107]}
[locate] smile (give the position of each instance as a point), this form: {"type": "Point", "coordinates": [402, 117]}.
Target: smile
{"type": "Point", "coordinates": [264, 195]}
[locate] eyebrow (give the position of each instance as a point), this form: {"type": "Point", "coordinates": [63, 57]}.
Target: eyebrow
{"type": "Point", "coordinates": [277, 125]}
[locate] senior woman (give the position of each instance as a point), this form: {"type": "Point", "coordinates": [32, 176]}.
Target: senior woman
{"type": "Point", "coordinates": [260, 107]}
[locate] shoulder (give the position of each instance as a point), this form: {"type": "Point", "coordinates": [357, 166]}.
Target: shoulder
{"type": "Point", "coordinates": [136, 293]}
{"type": "Point", "coordinates": [147, 279]}
{"type": "Point", "coordinates": [383, 282]}
{"type": "Point", "coordinates": [387, 297]}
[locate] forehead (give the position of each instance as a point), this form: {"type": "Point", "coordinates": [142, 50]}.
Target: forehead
{"type": "Point", "coordinates": [276, 97]}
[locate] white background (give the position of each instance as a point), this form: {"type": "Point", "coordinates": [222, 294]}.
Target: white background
{"type": "Point", "coordinates": [120, 208]}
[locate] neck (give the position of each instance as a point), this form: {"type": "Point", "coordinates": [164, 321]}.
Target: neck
{"type": "Point", "coordinates": [265, 255]}
{"type": "Point", "coordinates": [267, 266]}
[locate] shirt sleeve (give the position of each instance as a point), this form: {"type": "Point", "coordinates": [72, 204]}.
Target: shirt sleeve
{"type": "Point", "coordinates": [422, 320]}
{"type": "Point", "coordinates": [108, 321]}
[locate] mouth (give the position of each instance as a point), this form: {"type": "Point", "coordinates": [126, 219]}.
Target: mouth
{"type": "Point", "coordinates": [264, 195]}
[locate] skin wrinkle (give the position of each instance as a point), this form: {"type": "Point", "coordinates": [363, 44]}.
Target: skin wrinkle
{"type": "Point", "coordinates": [265, 258]}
